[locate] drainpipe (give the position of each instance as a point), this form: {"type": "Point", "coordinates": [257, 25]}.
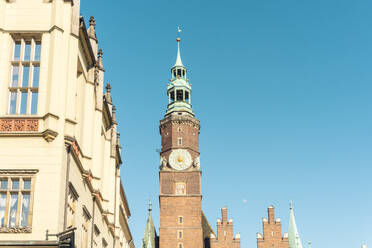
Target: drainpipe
{"type": "Point", "coordinates": [92, 232]}
{"type": "Point", "coordinates": [68, 149]}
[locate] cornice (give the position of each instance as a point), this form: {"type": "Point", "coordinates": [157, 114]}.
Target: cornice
{"type": "Point", "coordinates": [88, 50]}
{"type": "Point", "coordinates": [187, 195]}
{"type": "Point", "coordinates": [18, 171]}
{"type": "Point", "coordinates": [51, 29]}
{"type": "Point", "coordinates": [184, 147]}
{"type": "Point", "coordinates": [179, 119]}
{"type": "Point", "coordinates": [55, 27]}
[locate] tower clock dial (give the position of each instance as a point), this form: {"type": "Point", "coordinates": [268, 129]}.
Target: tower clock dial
{"type": "Point", "coordinates": [180, 159]}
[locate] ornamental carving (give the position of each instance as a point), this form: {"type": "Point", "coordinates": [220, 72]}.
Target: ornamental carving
{"type": "Point", "coordinates": [32, 125]}
{"type": "Point", "coordinates": [19, 125]}
{"type": "Point", "coordinates": [163, 162]}
{"type": "Point", "coordinates": [6, 125]}
{"type": "Point", "coordinates": [15, 229]}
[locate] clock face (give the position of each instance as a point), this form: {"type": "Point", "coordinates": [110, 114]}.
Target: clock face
{"type": "Point", "coordinates": [180, 159]}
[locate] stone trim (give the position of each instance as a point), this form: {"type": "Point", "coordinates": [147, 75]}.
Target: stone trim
{"type": "Point", "coordinates": [18, 171]}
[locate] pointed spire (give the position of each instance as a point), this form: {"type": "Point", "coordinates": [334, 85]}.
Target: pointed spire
{"type": "Point", "coordinates": [92, 28]}
{"type": "Point", "coordinates": [108, 93]}
{"type": "Point", "coordinates": [114, 114]}
{"type": "Point", "coordinates": [178, 60]}
{"type": "Point", "coordinates": [99, 61]}
{"type": "Point", "coordinates": [118, 140]}
{"type": "Point", "coordinates": [149, 236]}
{"type": "Point", "coordinates": [293, 235]}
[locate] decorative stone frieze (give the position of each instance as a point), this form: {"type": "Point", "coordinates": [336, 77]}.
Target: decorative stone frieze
{"type": "Point", "coordinates": [19, 125]}
{"type": "Point", "coordinates": [15, 229]}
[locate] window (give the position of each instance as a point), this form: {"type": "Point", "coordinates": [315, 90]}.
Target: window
{"type": "Point", "coordinates": [71, 205]}
{"type": "Point", "coordinates": [97, 232]}
{"type": "Point", "coordinates": [180, 245]}
{"type": "Point", "coordinates": [25, 75]}
{"type": "Point", "coordinates": [172, 96]}
{"type": "Point", "coordinates": [186, 96]}
{"type": "Point", "coordinates": [180, 220]}
{"type": "Point", "coordinates": [180, 234]}
{"type": "Point", "coordinates": [85, 226]}
{"type": "Point", "coordinates": [179, 141]}
{"type": "Point", "coordinates": [179, 95]}
{"type": "Point", "coordinates": [16, 201]}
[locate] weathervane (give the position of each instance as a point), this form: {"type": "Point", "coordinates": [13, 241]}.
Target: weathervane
{"type": "Point", "coordinates": [179, 30]}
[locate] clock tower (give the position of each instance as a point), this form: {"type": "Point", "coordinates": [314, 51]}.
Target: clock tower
{"type": "Point", "coordinates": [180, 175]}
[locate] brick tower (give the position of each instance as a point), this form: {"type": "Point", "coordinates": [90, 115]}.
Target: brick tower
{"type": "Point", "coordinates": [272, 233]}
{"type": "Point", "coordinates": [180, 175]}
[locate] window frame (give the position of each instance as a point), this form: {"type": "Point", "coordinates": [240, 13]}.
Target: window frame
{"type": "Point", "coordinates": [19, 88]}
{"type": "Point", "coordinates": [179, 234]}
{"type": "Point", "coordinates": [22, 176]}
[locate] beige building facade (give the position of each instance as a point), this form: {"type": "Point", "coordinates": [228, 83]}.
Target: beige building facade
{"type": "Point", "coordinates": [60, 152]}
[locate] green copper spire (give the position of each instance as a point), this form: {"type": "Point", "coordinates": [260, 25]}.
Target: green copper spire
{"type": "Point", "coordinates": [293, 236]}
{"type": "Point", "coordinates": [179, 88]}
{"type": "Point", "coordinates": [149, 237]}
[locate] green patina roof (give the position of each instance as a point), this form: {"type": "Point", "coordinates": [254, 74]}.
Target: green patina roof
{"type": "Point", "coordinates": [149, 238]}
{"type": "Point", "coordinates": [293, 236]}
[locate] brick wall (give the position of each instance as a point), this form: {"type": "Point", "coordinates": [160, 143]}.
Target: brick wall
{"type": "Point", "coordinates": [174, 127]}
{"type": "Point", "coordinates": [272, 232]}
{"type": "Point", "coordinates": [171, 209]}
{"type": "Point", "coordinates": [225, 234]}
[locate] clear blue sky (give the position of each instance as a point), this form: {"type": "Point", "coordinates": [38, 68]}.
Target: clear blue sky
{"type": "Point", "coordinates": [283, 90]}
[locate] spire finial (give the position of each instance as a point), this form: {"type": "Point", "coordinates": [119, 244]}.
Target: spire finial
{"type": "Point", "coordinates": [290, 205]}
{"type": "Point", "coordinates": [91, 30]}
{"type": "Point", "coordinates": [108, 87]}
{"type": "Point", "coordinates": [114, 114]}
{"type": "Point", "coordinates": [108, 93]}
{"type": "Point", "coordinates": [92, 22]}
{"type": "Point", "coordinates": [99, 62]}
{"type": "Point", "coordinates": [150, 206]}
{"type": "Point", "coordinates": [178, 61]}
{"type": "Point", "coordinates": [118, 140]}
{"type": "Point", "coordinates": [309, 244]}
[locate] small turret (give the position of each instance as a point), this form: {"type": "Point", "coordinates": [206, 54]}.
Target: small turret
{"type": "Point", "coordinates": [92, 35]}
{"type": "Point", "coordinates": [108, 93]}
{"type": "Point", "coordinates": [99, 61]}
